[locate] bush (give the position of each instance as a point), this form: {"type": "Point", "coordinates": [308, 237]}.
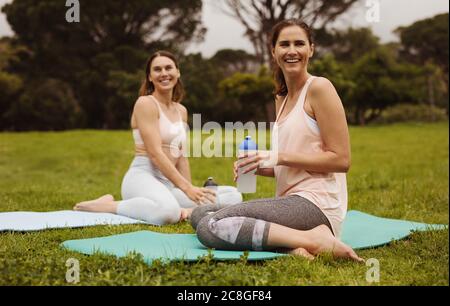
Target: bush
{"type": "Point", "coordinates": [412, 112]}
{"type": "Point", "coordinates": [47, 105]}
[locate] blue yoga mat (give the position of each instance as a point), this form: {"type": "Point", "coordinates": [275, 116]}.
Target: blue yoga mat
{"type": "Point", "coordinates": [360, 231]}
{"type": "Point", "coordinates": [23, 221]}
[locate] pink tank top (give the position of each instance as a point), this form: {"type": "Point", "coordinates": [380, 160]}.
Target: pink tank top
{"type": "Point", "coordinates": [298, 132]}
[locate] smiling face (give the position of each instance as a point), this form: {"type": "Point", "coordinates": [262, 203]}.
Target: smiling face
{"type": "Point", "coordinates": [292, 50]}
{"type": "Point", "coordinates": [164, 74]}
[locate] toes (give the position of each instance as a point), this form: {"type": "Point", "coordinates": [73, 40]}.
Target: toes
{"type": "Point", "coordinates": [357, 258]}
{"type": "Point", "coordinates": [303, 253]}
{"type": "Point", "coordinates": [308, 256]}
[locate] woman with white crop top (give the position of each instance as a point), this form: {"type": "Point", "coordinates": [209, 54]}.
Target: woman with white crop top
{"type": "Point", "coordinates": [157, 187]}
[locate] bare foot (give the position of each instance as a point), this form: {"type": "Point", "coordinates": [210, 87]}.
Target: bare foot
{"type": "Point", "coordinates": [185, 214]}
{"type": "Point", "coordinates": [102, 204]}
{"type": "Point", "coordinates": [326, 242]}
{"type": "Point", "coordinates": [301, 252]}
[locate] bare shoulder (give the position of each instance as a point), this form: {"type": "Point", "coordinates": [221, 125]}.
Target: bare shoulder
{"type": "Point", "coordinates": [321, 86]}
{"type": "Point", "coordinates": [278, 101]}
{"type": "Point", "coordinates": [323, 95]}
{"type": "Point", "coordinates": [182, 108]}
{"type": "Point", "coordinates": [144, 104]}
{"type": "Point", "coordinates": [183, 111]}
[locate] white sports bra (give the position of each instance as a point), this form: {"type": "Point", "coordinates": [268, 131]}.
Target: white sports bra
{"type": "Point", "coordinates": [173, 134]}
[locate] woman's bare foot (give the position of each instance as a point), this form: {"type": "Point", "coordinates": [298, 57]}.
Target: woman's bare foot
{"type": "Point", "coordinates": [326, 242]}
{"type": "Point", "coordinates": [301, 252]}
{"type": "Point", "coordinates": [103, 204]}
{"type": "Point", "coordinates": [185, 214]}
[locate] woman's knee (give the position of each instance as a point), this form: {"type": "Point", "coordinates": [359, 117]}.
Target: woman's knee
{"type": "Point", "coordinates": [200, 212]}
{"type": "Point", "coordinates": [220, 234]}
{"type": "Point", "coordinates": [150, 211]}
{"type": "Point", "coordinates": [171, 211]}
{"type": "Point", "coordinates": [172, 215]}
{"type": "Point", "coordinates": [204, 234]}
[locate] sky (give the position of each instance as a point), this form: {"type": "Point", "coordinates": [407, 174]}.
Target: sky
{"type": "Point", "coordinates": [226, 32]}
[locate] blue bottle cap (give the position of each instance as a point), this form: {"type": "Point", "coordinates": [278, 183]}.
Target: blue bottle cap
{"type": "Point", "coordinates": [248, 144]}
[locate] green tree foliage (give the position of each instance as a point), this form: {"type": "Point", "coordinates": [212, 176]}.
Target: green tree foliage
{"type": "Point", "coordinates": [201, 77]}
{"type": "Point", "coordinates": [380, 81]}
{"type": "Point", "coordinates": [348, 45]}
{"type": "Point", "coordinates": [44, 104]}
{"type": "Point", "coordinates": [246, 96]}
{"type": "Point", "coordinates": [425, 43]}
{"type": "Point", "coordinates": [113, 38]}
{"type": "Point", "coordinates": [120, 105]}
{"type": "Point", "coordinates": [11, 84]}
{"type": "Point", "coordinates": [231, 61]}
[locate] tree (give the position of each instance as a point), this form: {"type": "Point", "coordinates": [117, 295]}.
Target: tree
{"type": "Point", "coordinates": [11, 84]}
{"type": "Point", "coordinates": [111, 36]}
{"type": "Point", "coordinates": [201, 77]}
{"type": "Point", "coordinates": [425, 42]}
{"type": "Point", "coordinates": [259, 16]}
{"type": "Point", "coordinates": [350, 44]}
{"type": "Point", "coordinates": [380, 81]}
{"type": "Point", "coordinates": [246, 96]}
{"type": "Point", "coordinates": [230, 61]}
{"type": "Point", "coordinates": [47, 105]}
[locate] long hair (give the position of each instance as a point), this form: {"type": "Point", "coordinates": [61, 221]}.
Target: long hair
{"type": "Point", "coordinates": [147, 87]}
{"type": "Point", "coordinates": [280, 83]}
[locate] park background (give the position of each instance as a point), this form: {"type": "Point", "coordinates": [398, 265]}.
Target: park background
{"type": "Point", "coordinates": [67, 91]}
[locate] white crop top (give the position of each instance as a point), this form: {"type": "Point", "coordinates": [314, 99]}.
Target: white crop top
{"type": "Point", "coordinates": [173, 134]}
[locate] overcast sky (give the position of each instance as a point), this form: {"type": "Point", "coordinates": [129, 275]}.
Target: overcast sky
{"type": "Point", "coordinates": [226, 32]}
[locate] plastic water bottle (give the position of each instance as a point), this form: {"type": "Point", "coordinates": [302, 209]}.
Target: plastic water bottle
{"type": "Point", "coordinates": [210, 184]}
{"type": "Point", "coordinates": [246, 183]}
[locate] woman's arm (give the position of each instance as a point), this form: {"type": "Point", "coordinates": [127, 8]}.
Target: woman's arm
{"type": "Point", "coordinates": [269, 172]}
{"type": "Point", "coordinates": [330, 116]}
{"type": "Point", "coordinates": [183, 163]}
{"type": "Point", "coordinates": [184, 169]}
{"type": "Point", "coordinates": [146, 115]}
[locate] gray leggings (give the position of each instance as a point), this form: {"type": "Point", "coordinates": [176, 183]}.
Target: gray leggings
{"type": "Point", "coordinates": [245, 226]}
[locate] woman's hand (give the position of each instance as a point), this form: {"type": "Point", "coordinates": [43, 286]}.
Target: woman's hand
{"type": "Point", "coordinates": [253, 161]}
{"type": "Point", "coordinates": [201, 195]}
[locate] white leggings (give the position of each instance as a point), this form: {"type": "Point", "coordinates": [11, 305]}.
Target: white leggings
{"type": "Point", "coordinates": [149, 196]}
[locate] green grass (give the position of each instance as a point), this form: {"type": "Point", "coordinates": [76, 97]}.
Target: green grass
{"type": "Point", "coordinates": [398, 171]}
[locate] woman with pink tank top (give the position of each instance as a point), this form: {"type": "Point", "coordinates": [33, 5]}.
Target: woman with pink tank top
{"type": "Point", "coordinates": [309, 158]}
{"type": "Point", "coordinates": [157, 187]}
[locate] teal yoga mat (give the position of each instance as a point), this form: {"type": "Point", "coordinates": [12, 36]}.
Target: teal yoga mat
{"type": "Point", "coordinates": [360, 230]}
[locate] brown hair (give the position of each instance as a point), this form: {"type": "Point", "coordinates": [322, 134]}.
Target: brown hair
{"type": "Point", "coordinates": [147, 87]}
{"type": "Point", "coordinates": [280, 82]}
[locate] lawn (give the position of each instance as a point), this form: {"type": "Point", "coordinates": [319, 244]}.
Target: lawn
{"type": "Point", "coordinates": [398, 171]}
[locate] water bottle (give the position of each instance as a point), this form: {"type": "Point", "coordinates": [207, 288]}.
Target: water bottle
{"type": "Point", "coordinates": [210, 184]}
{"type": "Point", "coordinates": [246, 183]}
